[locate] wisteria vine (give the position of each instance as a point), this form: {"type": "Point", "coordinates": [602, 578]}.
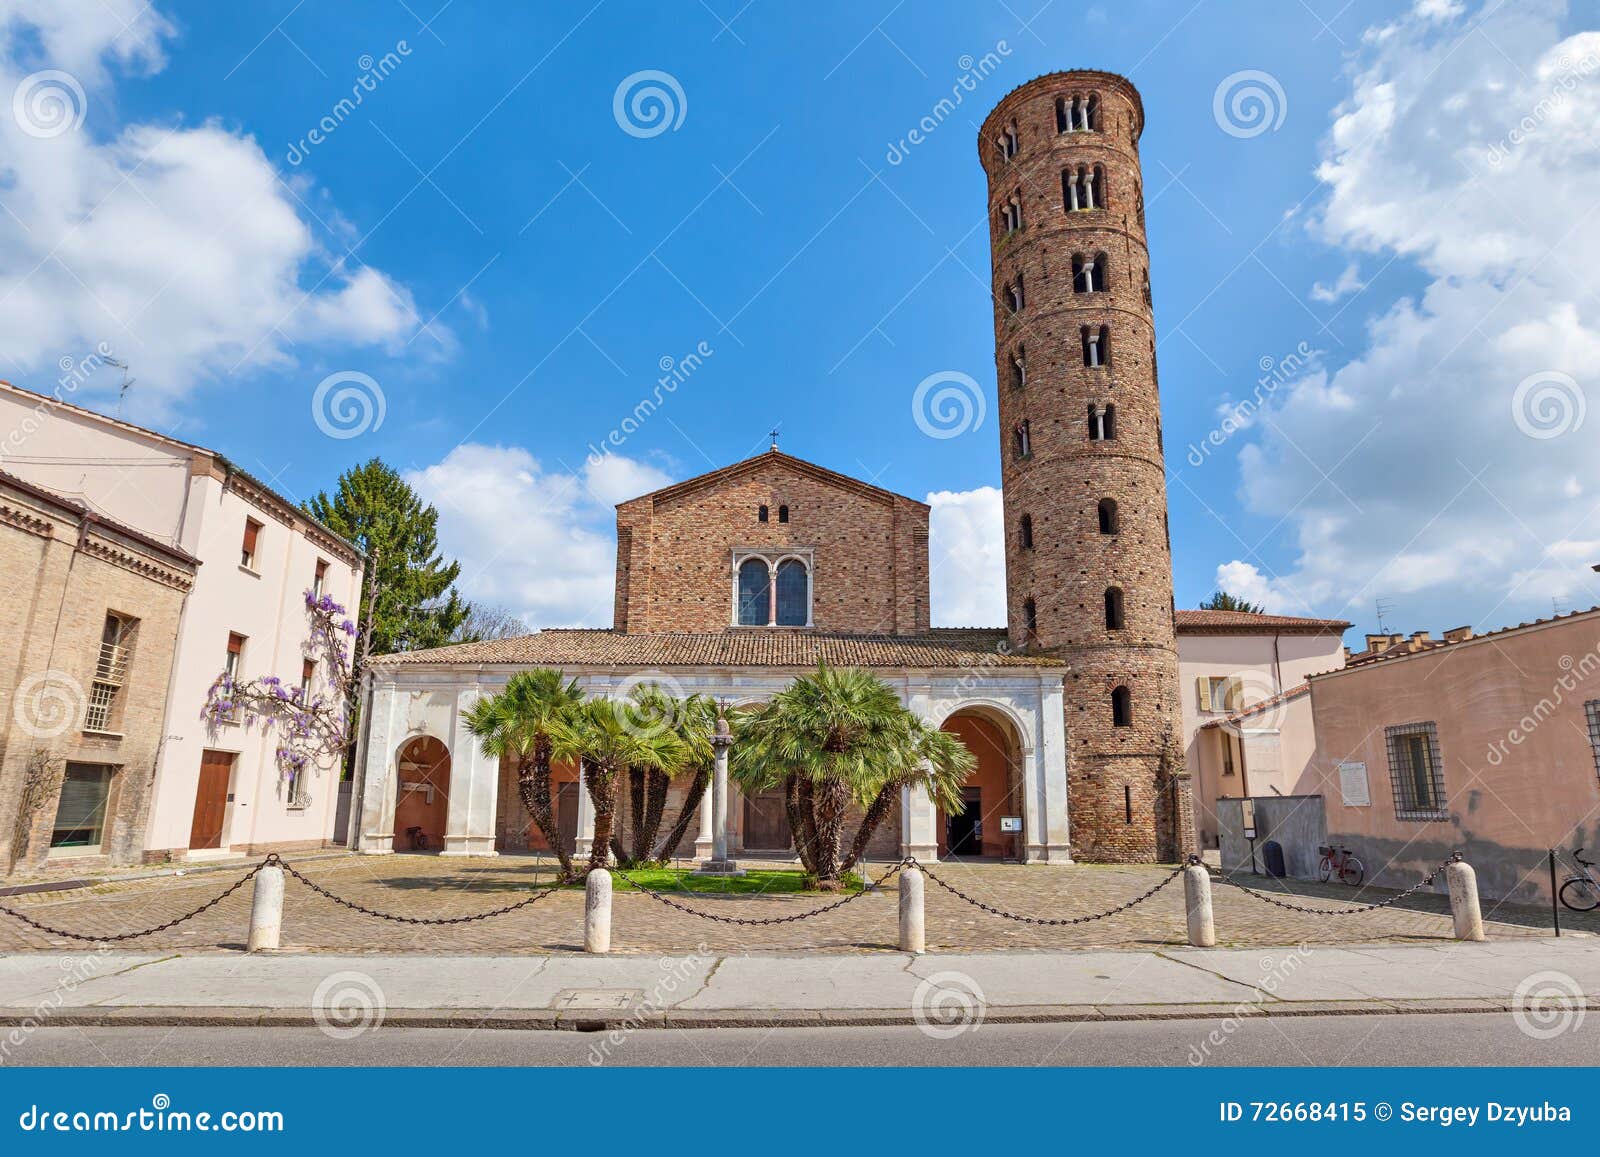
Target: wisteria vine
{"type": "Point", "coordinates": [312, 727]}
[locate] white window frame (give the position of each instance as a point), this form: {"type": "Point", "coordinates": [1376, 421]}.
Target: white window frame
{"type": "Point", "coordinates": [806, 556]}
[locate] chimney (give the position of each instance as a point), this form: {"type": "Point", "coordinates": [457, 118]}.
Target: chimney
{"type": "Point", "coordinates": [1458, 634]}
{"type": "Point", "coordinates": [1419, 640]}
{"type": "Point", "coordinates": [1378, 644]}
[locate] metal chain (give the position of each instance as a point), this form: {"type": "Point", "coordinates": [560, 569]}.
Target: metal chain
{"type": "Point", "coordinates": [112, 939]}
{"type": "Point", "coordinates": [432, 920]}
{"type": "Point", "coordinates": [1046, 922]}
{"type": "Point", "coordinates": [752, 921]}
{"type": "Point", "coordinates": [1425, 882]}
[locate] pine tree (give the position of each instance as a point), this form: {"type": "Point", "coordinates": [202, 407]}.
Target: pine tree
{"type": "Point", "coordinates": [416, 604]}
{"type": "Point", "coordinates": [1223, 601]}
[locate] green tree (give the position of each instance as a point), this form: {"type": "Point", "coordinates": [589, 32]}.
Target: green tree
{"type": "Point", "coordinates": [836, 737]}
{"type": "Point", "coordinates": [519, 722]}
{"type": "Point", "coordinates": [416, 604]}
{"type": "Point", "coordinates": [602, 736]}
{"type": "Point", "coordinates": [1223, 601]}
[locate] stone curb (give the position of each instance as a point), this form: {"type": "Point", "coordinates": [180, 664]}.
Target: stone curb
{"type": "Point", "coordinates": [595, 1021]}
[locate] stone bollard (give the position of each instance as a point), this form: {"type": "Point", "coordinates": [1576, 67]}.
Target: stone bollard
{"type": "Point", "coordinates": [597, 911]}
{"type": "Point", "coordinates": [1464, 911]}
{"type": "Point", "coordinates": [1197, 899]}
{"type": "Point", "coordinates": [913, 928]}
{"type": "Point", "coordinates": [266, 910]}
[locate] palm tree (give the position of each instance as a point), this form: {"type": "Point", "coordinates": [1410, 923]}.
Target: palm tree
{"type": "Point", "coordinates": [928, 758]}
{"type": "Point", "coordinates": [601, 736]}
{"type": "Point", "coordinates": [520, 722]}
{"type": "Point", "coordinates": [835, 737]}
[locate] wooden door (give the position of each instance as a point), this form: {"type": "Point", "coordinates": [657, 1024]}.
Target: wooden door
{"type": "Point", "coordinates": [211, 799]}
{"type": "Point", "coordinates": [567, 816]}
{"type": "Point", "coordinates": [766, 822]}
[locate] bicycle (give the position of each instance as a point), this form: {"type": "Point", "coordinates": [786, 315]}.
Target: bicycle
{"type": "Point", "coordinates": [1581, 892]}
{"type": "Point", "coordinates": [1339, 860]}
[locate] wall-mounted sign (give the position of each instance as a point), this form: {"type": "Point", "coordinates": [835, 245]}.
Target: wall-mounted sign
{"type": "Point", "coordinates": [1353, 785]}
{"type": "Point", "coordinates": [1247, 814]}
{"type": "Point", "coordinates": [1011, 823]}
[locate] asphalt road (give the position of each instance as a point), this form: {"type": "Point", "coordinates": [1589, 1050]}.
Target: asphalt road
{"type": "Point", "coordinates": [1470, 1039]}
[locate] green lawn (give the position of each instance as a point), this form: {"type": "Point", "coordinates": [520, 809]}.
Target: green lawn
{"type": "Point", "coordinates": [755, 881]}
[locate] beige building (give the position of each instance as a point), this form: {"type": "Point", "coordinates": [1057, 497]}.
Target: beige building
{"type": "Point", "coordinates": [90, 618]}
{"type": "Point", "coordinates": [1487, 744]}
{"type": "Point", "coordinates": [218, 787]}
{"type": "Point", "coordinates": [1247, 726]}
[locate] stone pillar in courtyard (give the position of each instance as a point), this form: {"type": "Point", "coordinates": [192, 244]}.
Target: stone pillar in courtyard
{"type": "Point", "coordinates": [720, 864]}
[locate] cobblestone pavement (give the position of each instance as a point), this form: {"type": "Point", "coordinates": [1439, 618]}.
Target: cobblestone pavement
{"type": "Point", "coordinates": [415, 885]}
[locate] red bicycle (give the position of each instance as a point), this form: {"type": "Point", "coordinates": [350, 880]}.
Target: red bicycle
{"type": "Point", "coordinates": [1339, 860]}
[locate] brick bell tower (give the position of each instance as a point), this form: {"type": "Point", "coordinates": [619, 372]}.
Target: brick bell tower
{"type": "Point", "coordinates": [1088, 557]}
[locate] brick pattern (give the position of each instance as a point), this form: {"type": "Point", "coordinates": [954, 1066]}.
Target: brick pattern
{"type": "Point", "coordinates": [675, 548]}
{"type": "Point", "coordinates": [64, 572]}
{"type": "Point", "coordinates": [1125, 801]}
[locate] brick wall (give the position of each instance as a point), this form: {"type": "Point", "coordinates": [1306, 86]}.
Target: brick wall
{"type": "Point", "coordinates": [62, 578]}
{"type": "Point", "coordinates": [1121, 779]}
{"type": "Point", "coordinates": [675, 548]}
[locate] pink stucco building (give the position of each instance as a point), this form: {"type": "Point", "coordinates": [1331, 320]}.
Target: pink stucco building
{"type": "Point", "coordinates": [218, 788]}
{"type": "Point", "coordinates": [1487, 744]}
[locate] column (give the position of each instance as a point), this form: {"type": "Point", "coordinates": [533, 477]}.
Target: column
{"type": "Point", "coordinates": [474, 787]}
{"type": "Point", "coordinates": [919, 835]}
{"type": "Point", "coordinates": [703, 840]}
{"type": "Point", "coordinates": [720, 863]}
{"type": "Point", "coordinates": [376, 834]}
{"type": "Point", "coordinates": [585, 841]}
{"type": "Point", "coordinates": [1044, 777]}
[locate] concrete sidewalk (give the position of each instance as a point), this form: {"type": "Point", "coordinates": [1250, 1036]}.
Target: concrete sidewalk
{"type": "Point", "coordinates": [588, 992]}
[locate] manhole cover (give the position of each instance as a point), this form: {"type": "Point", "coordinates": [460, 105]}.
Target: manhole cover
{"type": "Point", "coordinates": [598, 998]}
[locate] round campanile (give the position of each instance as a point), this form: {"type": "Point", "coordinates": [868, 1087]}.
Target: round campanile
{"type": "Point", "coordinates": [1088, 558]}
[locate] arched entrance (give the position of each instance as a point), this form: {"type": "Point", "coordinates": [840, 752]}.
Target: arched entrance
{"type": "Point", "coordinates": [992, 793]}
{"type": "Point", "coordinates": [422, 795]}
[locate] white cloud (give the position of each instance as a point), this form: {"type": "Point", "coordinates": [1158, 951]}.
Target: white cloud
{"type": "Point", "coordinates": [1472, 154]}
{"type": "Point", "coordinates": [539, 542]}
{"type": "Point", "coordinates": [1349, 282]}
{"type": "Point", "coordinates": [178, 247]}
{"type": "Point", "coordinates": [967, 558]}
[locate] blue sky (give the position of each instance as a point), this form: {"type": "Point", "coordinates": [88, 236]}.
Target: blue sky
{"type": "Point", "coordinates": [483, 240]}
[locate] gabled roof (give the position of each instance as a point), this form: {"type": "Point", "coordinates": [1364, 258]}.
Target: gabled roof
{"type": "Point", "coordinates": [773, 457]}
{"type": "Point", "coordinates": [940, 648]}
{"type": "Point", "coordinates": [1245, 623]}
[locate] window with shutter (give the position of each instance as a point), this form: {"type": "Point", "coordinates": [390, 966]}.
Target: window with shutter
{"type": "Point", "coordinates": [81, 810]}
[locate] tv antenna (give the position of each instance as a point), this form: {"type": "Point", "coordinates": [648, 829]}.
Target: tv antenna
{"type": "Point", "coordinates": [1384, 607]}
{"type": "Point", "coordinates": [127, 380]}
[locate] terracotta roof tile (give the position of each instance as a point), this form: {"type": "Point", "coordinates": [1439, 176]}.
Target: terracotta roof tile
{"type": "Point", "coordinates": [938, 648]}
{"type": "Point", "coordinates": [1243, 622]}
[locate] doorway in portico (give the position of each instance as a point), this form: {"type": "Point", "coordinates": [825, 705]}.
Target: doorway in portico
{"type": "Point", "coordinates": [422, 795]}
{"type": "Point", "coordinates": [992, 793]}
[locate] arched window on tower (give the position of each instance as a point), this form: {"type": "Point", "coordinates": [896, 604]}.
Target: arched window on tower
{"type": "Point", "coordinates": [1083, 188]}
{"type": "Point", "coordinates": [1023, 439]}
{"type": "Point", "coordinates": [755, 593]}
{"type": "Point", "coordinates": [1121, 707]}
{"type": "Point", "coordinates": [783, 514]}
{"type": "Point", "coordinates": [1025, 532]}
{"type": "Point", "coordinates": [1011, 213]}
{"type": "Point", "coordinates": [794, 594]}
{"type": "Point", "coordinates": [1096, 346]}
{"type": "Point", "coordinates": [1115, 618]}
{"type": "Point", "coordinates": [1030, 620]}
{"type": "Point", "coordinates": [1007, 141]}
{"type": "Point", "coordinates": [1147, 289]}
{"type": "Point", "coordinates": [1091, 114]}
{"type": "Point", "coordinates": [1088, 273]}
{"type": "Point", "coordinates": [1019, 368]}
{"type": "Point", "coordinates": [1102, 423]}
{"type": "Point", "coordinates": [761, 514]}
{"type": "Point", "coordinates": [1014, 296]}
{"type": "Point", "coordinates": [1108, 516]}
